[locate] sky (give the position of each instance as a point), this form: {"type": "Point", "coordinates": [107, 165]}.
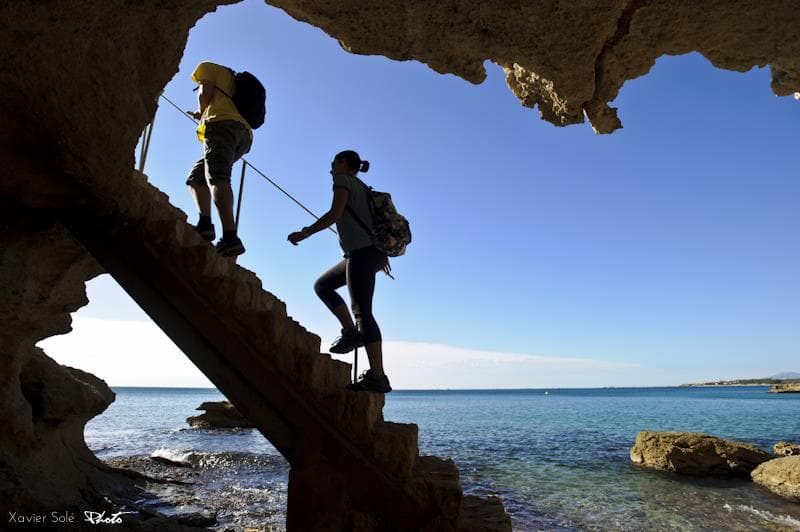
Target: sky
{"type": "Point", "coordinates": [662, 254]}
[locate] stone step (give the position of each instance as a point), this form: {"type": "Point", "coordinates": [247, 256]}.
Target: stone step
{"type": "Point", "coordinates": [395, 446]}
{"type": "Point", "coordinates": [354, 413]}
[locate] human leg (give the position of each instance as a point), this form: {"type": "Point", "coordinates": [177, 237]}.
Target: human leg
{"type": "Point", "coordinates": [226, 142]}
{"type": "Point", "coordinates": [362, 267]}
{"type": "Point", "coordinates": [198, 187]}
{"type": "Point", "coordinates": [326, 287]}
{"type": "Point", "coordinates": [223, 200]}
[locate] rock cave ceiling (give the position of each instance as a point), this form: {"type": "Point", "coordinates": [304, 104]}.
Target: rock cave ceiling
{"type": "Point", "coordinates": [569, 58]}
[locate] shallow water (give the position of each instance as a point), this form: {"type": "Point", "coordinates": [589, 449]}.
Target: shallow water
{"type": "Point", "coordinates": [559, 460]}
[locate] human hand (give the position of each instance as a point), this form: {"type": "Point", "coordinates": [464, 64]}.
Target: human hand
{"type": "Point", "coordinates": [296, 237]}
{"type": "Point", "coordinates": [387, 268]}
{"type": "Point", "coordinates": [194, 114]}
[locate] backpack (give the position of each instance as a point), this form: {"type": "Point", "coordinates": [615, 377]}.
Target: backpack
{"type": "Point", "coordinates": [249, 97]}
{"type": "Point", "coordinates": [391, 232]}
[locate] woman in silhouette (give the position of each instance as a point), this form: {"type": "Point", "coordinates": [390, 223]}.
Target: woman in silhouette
{"type": "Point", "coordinates": [351, 212]}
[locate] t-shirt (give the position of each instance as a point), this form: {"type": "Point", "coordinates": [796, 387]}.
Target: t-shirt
{"type": "Point", "coordinates": [351, 235]}
{"type": "Point", "coordinates": [221, 106]}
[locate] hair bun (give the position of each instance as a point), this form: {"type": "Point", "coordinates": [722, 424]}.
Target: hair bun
{"type": "Point", "coordinates": [364, 166]}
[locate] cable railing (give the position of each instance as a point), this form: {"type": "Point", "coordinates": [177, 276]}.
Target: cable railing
{"type": "Point", "coordinates": [145, 147]}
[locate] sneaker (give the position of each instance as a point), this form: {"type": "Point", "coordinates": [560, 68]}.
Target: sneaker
{"type": "Point", "coordinates": [369, 382]}
{"type": "Point", "coordinates": [206, 231]}
{"type": "Point", "coordinates": [230, 248]}
{"type": "Point", "coordinates": [348, 341]}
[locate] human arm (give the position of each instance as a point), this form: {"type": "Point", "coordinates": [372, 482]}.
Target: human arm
{"type": "Point", "coordinates": [204, 97]}
{"type": "Point", "coordinates": [338, 205]}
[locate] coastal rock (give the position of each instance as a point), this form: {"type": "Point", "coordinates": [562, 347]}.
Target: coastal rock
{"type": "Point", "coordinates": [697, 454]}
{"type": "Point", "coordinates": [789, 387]}
{"type": "Point", "coordinates": [219, 415]}
{"type": "Point", "coordinates": [785, 448]}
{"type": "Point", "coordinates": [478, 516]}
{"type": "Point", "coordinates": [44, 461]}
{"type": "Point", "coordinates": [781, 476]}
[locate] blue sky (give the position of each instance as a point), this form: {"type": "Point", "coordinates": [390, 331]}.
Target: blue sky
{"type": "Point", "coordinates": [664, 253]}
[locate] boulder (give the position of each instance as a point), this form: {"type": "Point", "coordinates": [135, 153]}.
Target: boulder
{"type": "Point", "coordinates": [784, 448]}
{"type": "Point", "coordinates": [697, 454]}
{"type": "Point", "coordinates": [789, 387]}
{"type": "Point", "coordinates": [780, 476]}
{"type": "Point", "coordinates": [219, 415]}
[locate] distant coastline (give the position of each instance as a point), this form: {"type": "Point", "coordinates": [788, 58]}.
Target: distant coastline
{"type": "Point", "coordinates": [742, 382]}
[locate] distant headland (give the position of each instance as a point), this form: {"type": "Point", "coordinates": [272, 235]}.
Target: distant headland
{"type": "Point", "coordinates": [787, 377]}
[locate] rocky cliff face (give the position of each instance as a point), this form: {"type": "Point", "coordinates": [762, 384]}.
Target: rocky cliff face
{"type": "Point", "coordinates": [43, 457]}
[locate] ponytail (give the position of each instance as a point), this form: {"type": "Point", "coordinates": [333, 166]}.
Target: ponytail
{"type": "Point", "coordinates": [353, 160]}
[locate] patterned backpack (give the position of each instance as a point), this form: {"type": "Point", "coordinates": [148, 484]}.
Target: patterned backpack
{"type": "Point", "coordinates": [391, 232]}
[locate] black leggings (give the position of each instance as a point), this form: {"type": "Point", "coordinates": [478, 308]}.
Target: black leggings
{"type": "Point", "coordinates": [357, 272]}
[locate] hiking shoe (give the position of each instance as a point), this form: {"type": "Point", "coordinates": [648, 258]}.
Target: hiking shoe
{"type": "Point", "coordinates": [230, 248]}
{"type": "Point", "coordinates": [206, 231]}
{"type": "Point", "coordinates": [348, 341]}
{"type": "Point", "coordinates": [369, 382]}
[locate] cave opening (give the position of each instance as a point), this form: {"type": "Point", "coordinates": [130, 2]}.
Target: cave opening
{"type": "Point", "coordinates": [661, 188]}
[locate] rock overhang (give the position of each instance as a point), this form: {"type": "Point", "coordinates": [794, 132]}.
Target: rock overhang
{"type": "Point", "coordinates": [569, 59]}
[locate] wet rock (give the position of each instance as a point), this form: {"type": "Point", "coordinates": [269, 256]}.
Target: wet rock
{"type": "Point", "coordinates": [785, 448]}
{"type": "Point", "coordinates": [172, 460]}
{"type": "Point", "coordinates": [696, 454]}
{"type": "Point", "coordinates": [157, 471]}
{"type": "Point", "coordinates": [198, 519]}
{"type": "Point", "coordinates": [781, 476]}
{"type": "Point", "coordinates": [219, 415]}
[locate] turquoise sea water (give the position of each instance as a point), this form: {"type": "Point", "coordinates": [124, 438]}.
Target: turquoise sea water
{"type": "Point", "coordinates": [558, 459]}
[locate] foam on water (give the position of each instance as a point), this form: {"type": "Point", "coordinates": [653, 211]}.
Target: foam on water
{"type": "Point", "coordinates": [784, 520]}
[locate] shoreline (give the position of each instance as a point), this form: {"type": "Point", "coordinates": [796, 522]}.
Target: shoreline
{"type": "Point", "coordinates": [721, 385]}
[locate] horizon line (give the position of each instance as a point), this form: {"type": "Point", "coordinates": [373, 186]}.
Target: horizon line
{"type": "Point", "coordinates": [688, 385]}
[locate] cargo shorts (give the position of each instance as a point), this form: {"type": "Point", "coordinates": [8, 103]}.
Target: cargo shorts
{"type": "Point", "coordinates": [225, 143]}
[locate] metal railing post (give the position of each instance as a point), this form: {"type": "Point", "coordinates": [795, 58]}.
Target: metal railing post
{"type": "Point", "coordinates": [355, 365]}
{"type": "Point", "coordinates": [239, 201]}
{"type": "Point", "coordinates": [146, 135]}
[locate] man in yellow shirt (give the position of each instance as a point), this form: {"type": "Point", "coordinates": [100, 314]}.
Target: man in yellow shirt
{"type": "Point", "coordinates": [226, 137]}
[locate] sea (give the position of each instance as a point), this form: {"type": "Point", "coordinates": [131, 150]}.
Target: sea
{"type": "Point", "coordinates": [557, 457]}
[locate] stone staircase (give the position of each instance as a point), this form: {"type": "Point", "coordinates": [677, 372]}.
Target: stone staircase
{"type": "Point", "coordinates": [350, 469]}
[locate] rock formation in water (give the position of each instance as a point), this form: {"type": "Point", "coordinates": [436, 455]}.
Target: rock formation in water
{"type": "Point", "coordinates": [696, 454]}
{"type": "Point", "coordinates": [785, 448]}
{"type": "Point", "coordinates": [80, 81]}
{"type": "Point", "coordinates": [792, 387]}
{"type": "Point", "coordinates": [219, 415]}
{"type": "Point", "coordinates": [781, 476]}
